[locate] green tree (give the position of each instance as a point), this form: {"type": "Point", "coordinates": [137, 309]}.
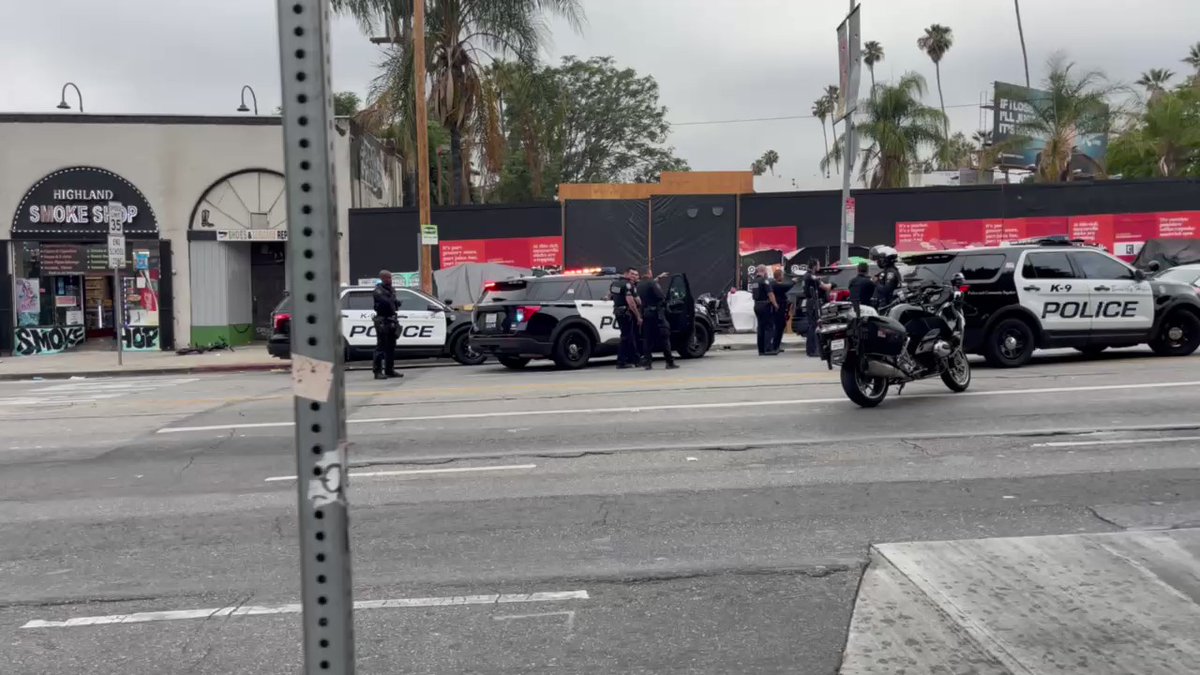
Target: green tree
{"type": "Point", "coordinates": [1193, 60]}
{"type": "Point", "coordinates": [936, 41]}
{"type": "Point", "coordinates": [346, 104]}
{"type": "Point", "coordinates": [1073, 104]}
{"type": "Point", "coordinates": [895, 128]}
{"type": "Point", "coordinates": [956, 153]}
{"type": "Point", "coordinates": [1155, 81]}
{"type": "Point", "coordinates": [872, 53]}
{"type": "Point", "coordinates": [758, 167]}
{"type": "Point", "coordinates": [1163, 141]}
{"type": "Point", "coordinates": [769, 159]}
{"type": "Point", "coordinates": [1021, 34]}
{"type": "Point", "coordinates": [821, 111]}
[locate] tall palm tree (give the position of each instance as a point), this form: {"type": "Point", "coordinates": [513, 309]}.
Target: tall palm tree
{"type": "Point", "coordinates": [936, 41]}
{"type": "Point", "coordinates": [820, 110]}
{"type": "Point", "coordinates": [758, 167]}
{"type": "Point", "coordinates": [1193, 60]}
{"type": "Point", "coordinates": [769, 159]}
{"type": "Point", "coordinates": [1155, 81]}
{"type": "Point", "coordinates": [831, 97]}
{"type": "Point", "coordinates": [895, 128]}
{"type": "Point", "coordinates": [872, 53]}
{"type": "Point", "coordinates": [1021, 33]}
{"type": "Point", "coordinates": [1072, 105]}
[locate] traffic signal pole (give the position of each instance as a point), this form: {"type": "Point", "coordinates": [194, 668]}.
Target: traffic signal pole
{"type": "Point", "coordinates": [317, 369]}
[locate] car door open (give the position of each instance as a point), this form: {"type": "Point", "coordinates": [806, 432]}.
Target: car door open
{"type": "Point", "coordinates": [681, 308]}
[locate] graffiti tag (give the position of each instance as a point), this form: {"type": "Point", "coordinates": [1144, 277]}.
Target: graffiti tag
{"type": "Point", "coordinates": [46, 339]}
{"type": "Point", "coordinates": [139, 338]}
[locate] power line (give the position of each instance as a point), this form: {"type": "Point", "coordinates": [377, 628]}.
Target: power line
{"type": "Point", "coordinates": [783, 117]}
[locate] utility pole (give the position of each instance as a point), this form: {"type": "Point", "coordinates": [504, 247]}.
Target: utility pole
{"type": "Point", "coordinates": [422, 141]}
{"type": "Point", "coordinates": [319, 401]}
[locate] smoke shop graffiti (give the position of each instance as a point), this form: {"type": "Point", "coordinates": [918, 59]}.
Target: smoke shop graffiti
{"type": "Point", "coordinates": [47, 339]}
{"type": "Point", "coordinates": [139, 338]}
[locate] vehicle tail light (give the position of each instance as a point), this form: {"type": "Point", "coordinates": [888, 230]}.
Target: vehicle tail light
{"type": "Point", "coordinates": [525, 312]}
{"type": "Point", "coordinates": [964, 288]}
{"type": "Point", "coordinates": [281, 320]}
{"type": "Point", "coordinates": [489, 286]}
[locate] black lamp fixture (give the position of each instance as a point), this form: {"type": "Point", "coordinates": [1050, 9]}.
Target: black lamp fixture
{"type": "Point", "coordinates": [253, 98]}
{"type": "Point", "coordinates": [62, 104]}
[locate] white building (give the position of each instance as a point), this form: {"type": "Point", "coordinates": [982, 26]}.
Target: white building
{"type": "Point", "coordinates": [205, 220]}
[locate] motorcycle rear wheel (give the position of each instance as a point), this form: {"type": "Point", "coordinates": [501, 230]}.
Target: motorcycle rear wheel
{"type": "Point", "coordinates": [957, 375]}
{"type": "Point", "coordinates": [863, 389]}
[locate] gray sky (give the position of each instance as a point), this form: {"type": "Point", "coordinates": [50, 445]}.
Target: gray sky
{"type": "Point", "coordinates": [713, 59]}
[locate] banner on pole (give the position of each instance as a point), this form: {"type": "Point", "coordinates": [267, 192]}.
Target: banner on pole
{"type": "Point", "coordinates": [849, 64]}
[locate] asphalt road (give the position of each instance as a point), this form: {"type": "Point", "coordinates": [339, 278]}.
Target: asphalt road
{"type": "Point", "coordinates": [711, 519]}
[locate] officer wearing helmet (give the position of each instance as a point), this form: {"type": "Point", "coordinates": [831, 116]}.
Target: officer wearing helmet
{"type": "Point", "coordinates": [889, 275]}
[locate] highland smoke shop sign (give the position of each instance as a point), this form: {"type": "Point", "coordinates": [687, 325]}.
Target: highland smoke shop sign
{"type": "Point", "coordinates": [75, 204]}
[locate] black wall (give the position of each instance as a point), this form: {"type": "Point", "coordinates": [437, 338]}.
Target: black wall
{"type": "Point", "coordinates": [607, 232]}
{"type": "Point", "coordinates": [696, 235]}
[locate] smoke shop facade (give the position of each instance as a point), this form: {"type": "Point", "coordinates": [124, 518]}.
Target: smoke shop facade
{"type": "Point", "coordinates": [202, 206]}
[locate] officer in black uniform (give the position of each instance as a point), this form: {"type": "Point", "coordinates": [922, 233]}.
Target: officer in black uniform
{"type": "Point", "coordinates": [624, 296]}
{"type": "Point", "coordinates": [780, 287]}
{"type": "Point", "coordinates": [655, 330]}
{"type": "Point", "coordinates": [815, 294]}
{"type": "Point", "coordinates": [765, 307]}
{"type": "Point", "coordinates": [862, 289]}
{"type": "Point", "coordinates": [386, 328]}
{"type": "Point", "coordinates": [889, 276]}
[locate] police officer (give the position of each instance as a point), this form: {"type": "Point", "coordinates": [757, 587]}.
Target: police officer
{"type": "Point", "coordinates": [815, 294]}
{"type": "Point", "coordinates": [889, 276]}
{"type": "Point", "coordinates": [765, 307]}
{"type": "Point", "coordinates": [624, 296]}
{"type": "Point", "coordinates": [655, 330]}
{"type": "Point", "coordinates": [386, 328]}
{"type": "Point", "coordinates": [862, 289]}
{"type": "Point", "coordinates": [780, 287]}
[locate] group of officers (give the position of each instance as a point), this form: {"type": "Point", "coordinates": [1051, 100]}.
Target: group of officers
{"type": "Point", "coordinates": [771, 297]}
{"type": "Point", "coordinates": [640, 309]}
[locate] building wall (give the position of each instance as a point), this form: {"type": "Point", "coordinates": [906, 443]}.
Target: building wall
{"type": "Point", "coordinates": [173, 160]}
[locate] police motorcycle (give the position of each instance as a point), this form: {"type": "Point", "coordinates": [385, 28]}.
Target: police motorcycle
{"type": "Point", "coordinates": [918, 336]}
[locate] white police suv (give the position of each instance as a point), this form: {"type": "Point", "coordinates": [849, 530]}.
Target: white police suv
{"type": "Point", "coordinates": [427, 328]}
{"type": "Point", "coordinates": [1054, 293]}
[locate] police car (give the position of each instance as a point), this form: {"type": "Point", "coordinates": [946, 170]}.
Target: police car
{"type": "Point", "coordinates": [1054, 293]}
{"type": "Point", "coordinates": [569, 318]}
{"type": "Point", "coordinates": [427, 328]}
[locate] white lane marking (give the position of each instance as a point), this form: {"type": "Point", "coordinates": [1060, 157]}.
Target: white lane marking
{"type": "Point", "coordinates": [569, 614]}
{"type": "Point", "coordinates": [1118, 441]}
{"type": "Point", "coordinates": [419, 472]}
{"type": "Point", "coordinates": [259, 610]}
{"type": "Point", "coordinates": [682, 406]}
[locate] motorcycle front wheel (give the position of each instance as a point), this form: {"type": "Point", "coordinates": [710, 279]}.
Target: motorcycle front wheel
{"type": "Point", "coordinates": [865, 390]}
{"type": "Point", "coordinates": [957, 375]}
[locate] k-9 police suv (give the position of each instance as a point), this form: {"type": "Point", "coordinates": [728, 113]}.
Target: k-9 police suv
{"type": "Point", "coordinates": [1052, 293]}
{"type": "Point", "coordinates": [569, 318]}
{"type": "Point", "coordinates": [427, 328]}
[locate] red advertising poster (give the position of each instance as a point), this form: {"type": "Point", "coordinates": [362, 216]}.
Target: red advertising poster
{"type": "Point", "coordinates": [1054, 226]}
{"type": "Point", "coordinates": [753, 239]}
{"type": "Point", "coordinates": [1130, 232]}
{"type": "Point", "coordinates": [1178, 225]}
{"type": "Point", "coordinates": [960, 234]}
{"type": "Point", "coordinates": [917, 236]}
{"type": "Point", "coordinates": [517, 251]}
{"type": "Point", "coordinates": [1093, 230]}
{"type": "Point", "coordinates": [998, 231]}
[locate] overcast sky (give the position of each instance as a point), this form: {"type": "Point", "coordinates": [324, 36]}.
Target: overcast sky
{"type": "Point", "coordinates": [714, 59]}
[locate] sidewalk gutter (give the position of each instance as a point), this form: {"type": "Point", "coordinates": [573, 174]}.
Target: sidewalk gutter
{"type": "Point", "coordinates": [141, 372]}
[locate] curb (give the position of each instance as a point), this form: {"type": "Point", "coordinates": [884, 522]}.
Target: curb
{"type": "Point", "coordinates": [174, 370]}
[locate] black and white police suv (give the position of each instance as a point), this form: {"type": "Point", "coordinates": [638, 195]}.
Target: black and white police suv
{"type": "Point", "coordinates": [1052, 293]}
{"type": "Point", "coordinates": [427, 328]}
{"type": "Point", "coordinates": [569, 318]}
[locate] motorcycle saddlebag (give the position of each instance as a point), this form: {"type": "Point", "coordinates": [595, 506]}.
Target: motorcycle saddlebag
{"type": "Point", "coordinates": [882, 336]}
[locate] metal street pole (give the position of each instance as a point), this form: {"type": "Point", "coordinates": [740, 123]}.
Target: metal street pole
{"type": "Point", "coordinates": [317, 368]}
{"type": "Point", "coordinates": [850, 93]}
{"type": "Point", "coordinates": [118, 318]}
{"type": "Point", "coordinates": [423, 142]}
{"type": "Point", "coordinates": [116, 259]}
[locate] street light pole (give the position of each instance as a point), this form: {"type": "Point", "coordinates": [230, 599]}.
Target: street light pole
{"type": "Point", "coordinates": [253, 97]}
{"type": "Point", "coordinates": [62, 104]}
{"type": "Point", "coordinates": [422, 141]}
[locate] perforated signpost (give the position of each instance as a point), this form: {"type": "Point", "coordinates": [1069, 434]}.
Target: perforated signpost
{"type": "Point", "coordinates": [116, 260]}
{"type": "Point", "coordinates": [319, 398]}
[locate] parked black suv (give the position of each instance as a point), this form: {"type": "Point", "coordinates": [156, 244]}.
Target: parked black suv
{"type": "Point", "coordinates": [569, 318]}
{"type": "Point", "coordinates": [1053, 293]}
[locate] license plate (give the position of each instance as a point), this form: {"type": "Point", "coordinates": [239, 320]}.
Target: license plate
{"type": "Point", "coordinates": [489, 320]}
{"type": "Point", "coordinates": [837, 345]}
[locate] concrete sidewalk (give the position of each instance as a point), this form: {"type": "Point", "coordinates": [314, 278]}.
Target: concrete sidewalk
{"type": "Point", "coordinates": [253, 357]}
{"type": "Point", "coordinates": [1094, 604]}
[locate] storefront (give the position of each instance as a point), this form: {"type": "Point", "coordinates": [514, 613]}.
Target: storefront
{"type": "Point", "coordinates": [64, 291]}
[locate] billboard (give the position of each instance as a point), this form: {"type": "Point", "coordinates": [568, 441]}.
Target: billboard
{"type": "Point", "coordinates": [1122, 234]}
{"type": "Point", "coordinates": [1015, 106]}
{"type": "Point", "coordinates": [517, 251]}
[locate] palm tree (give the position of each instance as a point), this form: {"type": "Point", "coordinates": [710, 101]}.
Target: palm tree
{"type": "Point", "coordinates": [1021, 33]}
{"type": "Point", "coordinates": [936, 41]}
{"type": "Point", "coordinates": [1193, 57]}
{"type": "Point", "coordinates": [769, 159]}
{"type": "Point", "coordinates": [758, 167]}
{"type": "Point", "coordinates": [820, 110]}
{"type": "Point", "coordinates": [895, 128]}
{"type": "Point", "coordinates": [1071, 105]}
{"type": "Point", "coordinates": [463, 36]}
{"type": "Point", "coordinates": [872, 53]}
{"type": "Point", "coordinates": [831, 97]}
{"type": "Point", "coordinates": [1155, 81]}
{"type": "Point", "coordinates": [1169, 131]}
